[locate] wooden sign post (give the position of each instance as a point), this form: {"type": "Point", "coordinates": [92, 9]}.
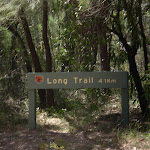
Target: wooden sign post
{"type": "Point", "coordinates": [71, 80]}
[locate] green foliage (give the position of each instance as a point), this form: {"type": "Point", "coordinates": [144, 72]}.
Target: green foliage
{"type": "Point", "coordinates": [81, 106]}
{"type": "Point", "coordinates": [118, 55]}
{"type": "Point", "coordinates": [146, 85]}
{"type": "Point", "coordinates": [53, 146]}
{"type": "Point", "coordinates": [52, 111]}
{"type": "Point", "coordinates": [79, 39]}
{"type": "Point", "coordinates": [12, 82]}
{"type": "Point", "coordinates": [11, 77]}
{"type": "Point", "coordinates": [58, 144]}
{"type": "Point", "coordinates": [12, 114]}
{"type": "Point", "coordinates": [74, 40]}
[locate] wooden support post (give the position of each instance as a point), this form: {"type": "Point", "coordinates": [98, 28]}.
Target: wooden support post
{"type": "Point", "coordinates": [125, 106]}
{"type": "Point", "coordinates": [32, 109]}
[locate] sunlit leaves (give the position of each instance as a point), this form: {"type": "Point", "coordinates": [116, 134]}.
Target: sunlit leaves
{"type": "Point", "coordinates": [9, 9]}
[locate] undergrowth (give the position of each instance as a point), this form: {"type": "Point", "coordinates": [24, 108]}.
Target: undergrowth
{"type": "Point", "coordinates": [12, 114]}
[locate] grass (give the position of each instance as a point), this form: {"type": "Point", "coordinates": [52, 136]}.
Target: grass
{"type": "Point", "coordinates": [85, 124]}
{"type": "Point", "coordinates": [103, 125]}
{"type": "Point", "coordinates": [134, 138]}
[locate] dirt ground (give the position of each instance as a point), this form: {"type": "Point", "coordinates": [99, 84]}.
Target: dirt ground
{"type": "Point", "coordinates": [104, 134]}
{"type": "Point", "coordinates": [24, 139]}
{"type": "Point", "coordinates": [31, 140]}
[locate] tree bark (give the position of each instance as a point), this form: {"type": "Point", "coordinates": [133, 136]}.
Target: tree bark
{"type": "Point", "coordinates": [138, 84]}
{"type": "Point", "coordinates": [104, 56]}
{"type": "Point", "coordinates": [35, 58]}
{"type": "Point", "coordinates": [34, 55]}
{"type": "Point", "coordinates": [131, 52]}
{"type": "Point", "coordinates": [26, 55]}
{"type": "Point", "coordinates": [143, 37]}
{"type": "Point", "coordinates": [93, 63]}
{"type": "Point", "coordinates": [49, 92]}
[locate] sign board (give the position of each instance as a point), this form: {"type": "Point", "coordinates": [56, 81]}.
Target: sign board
{"type": "Point", "coordinates": [70, 80]}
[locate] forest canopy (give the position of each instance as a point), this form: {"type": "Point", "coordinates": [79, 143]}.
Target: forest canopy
{"type": "Point", "coordinates": [74, 36]}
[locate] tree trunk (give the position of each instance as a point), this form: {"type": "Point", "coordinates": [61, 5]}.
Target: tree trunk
{"type": "Point", "coordinates": [26, 56]}
{"type": "Point", "coordinates": [49, 92]}
{"type": "Point", "coordinates": [138, 84]}
{"type": "Point", "coordinates": [143, 37]}
{"type": "Point", "coordinates": [104, 56]}
{"type": "Point", "coordinates": [34, 55]}
{"type": "Point", "coordinates": [93, 62]}
{"type": "Point", "coordinates": [105, 65]}
{"type": "Point", "coordinates": [131, 52]}
{"type": "Point", "coordinates": [35, 58]}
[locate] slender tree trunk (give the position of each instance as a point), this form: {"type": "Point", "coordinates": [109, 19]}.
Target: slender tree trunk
{"type": "Point", "coordinates": [143, 37]}
{"type": "Point", "coordinates": [105, 65]}
{"type": "Point", "coordinates": [104, 56]}
{"type": "Point", "coordinates": [131, 52]}
{"type": "Point", "coordinates": [34, 55]}
{"type": "Point", "coordinates": [93, 63]}
{"type": "Point", "coordinates": [26, 56]}
{"type": "Point", "coordinates": [101, 33]}
{"type": "Point", "coordinates": [35, 58]}
{"type": "Point", "coordinates": [49, 92]}
{"type": "Point", "coordinates": [137, 80]}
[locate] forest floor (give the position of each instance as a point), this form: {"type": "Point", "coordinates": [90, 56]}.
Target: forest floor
{"type": "Point", "coordinates": [60, 133]}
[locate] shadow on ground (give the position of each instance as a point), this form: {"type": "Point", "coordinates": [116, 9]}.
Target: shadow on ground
{"type": "Point", "coordinates": [102, 135]}
{"type": "Point", "coordinates": [103, 138]}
